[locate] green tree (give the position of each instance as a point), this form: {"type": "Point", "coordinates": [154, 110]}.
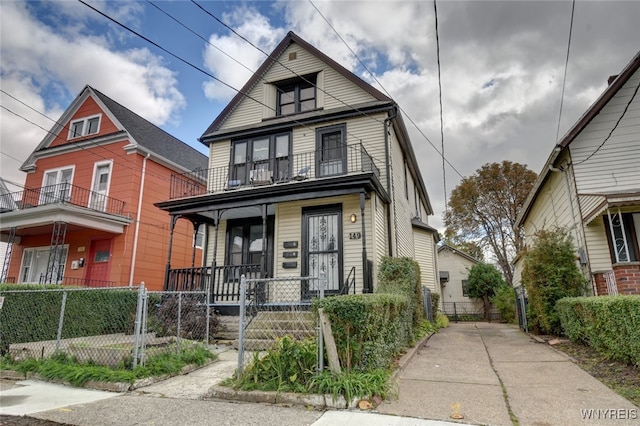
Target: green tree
{"type": "Point", "coordinates": [483, 208]}
{"type": "Point", "coordinates": [471, 248]}
{"type": "Point", "coordinates": [550, 272]}
{"type": "Point", "coordinates": [484, 280]}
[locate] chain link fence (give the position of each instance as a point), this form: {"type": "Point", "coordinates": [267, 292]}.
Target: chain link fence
{"type": "Point", "coordinates": [273, 308]}
{"type": "Point", "coordinates": [115, 326]}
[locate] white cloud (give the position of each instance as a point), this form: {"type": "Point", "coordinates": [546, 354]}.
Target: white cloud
{"type": "Point", "coordinates": [37, 58]}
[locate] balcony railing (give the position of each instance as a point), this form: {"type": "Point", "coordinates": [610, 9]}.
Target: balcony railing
{"type": "Point", "coordinates": [62, 193]}
{"type": "Point", "coordinates": [226, 283]}
{"type": "Point", "coordinates": [352, 159]}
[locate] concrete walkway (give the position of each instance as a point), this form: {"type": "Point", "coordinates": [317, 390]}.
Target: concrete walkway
{"type": "Point", "coordinates": [495, 374]}
{"type": "Point", "coordinates": [469, 373]}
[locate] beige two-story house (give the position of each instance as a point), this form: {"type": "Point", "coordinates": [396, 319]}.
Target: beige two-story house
{"type": "Point", "coordinates": [311, 172]}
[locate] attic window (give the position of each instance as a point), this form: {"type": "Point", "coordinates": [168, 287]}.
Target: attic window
{"type": "Point", "coordinates": [292, 56]}
{"type": "Point", "coordinates": [296, 95]}
{"type": "Point", "coordinates": [84, 127]}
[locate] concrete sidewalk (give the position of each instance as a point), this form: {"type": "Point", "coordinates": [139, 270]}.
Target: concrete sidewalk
{"type": "Point", "coordinates": [495, 374]}
{"type": "Point", "coordinates": [469, 373]}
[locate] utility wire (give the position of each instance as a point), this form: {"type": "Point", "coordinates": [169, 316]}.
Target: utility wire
{"type": "Point", "coordinates": [566, 65]}
{"type": "Point", "coordinates": [444, 172]}
{"type": "Point", "coordinates": [385, 90]}
{"type": "Point", "coordinates": [635, 92]}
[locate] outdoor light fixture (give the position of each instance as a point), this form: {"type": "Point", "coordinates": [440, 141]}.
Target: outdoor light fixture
{"type": "Point", "coordinates": [353, 218]}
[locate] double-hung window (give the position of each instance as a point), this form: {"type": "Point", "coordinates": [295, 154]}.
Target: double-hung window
{"type": "Point", "coordinates": [56, 186]}
{"type": "Point", "coordinates": [331, 151]}
{"type": "Point", "coordinates": [84, 127]}
{"type": "Point", "coordinates": [35, 261]}
{"type": "Point", "coordinates": [296, 96]}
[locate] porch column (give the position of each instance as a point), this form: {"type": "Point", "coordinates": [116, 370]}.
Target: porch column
{"type": "Point", "coordinates": [196, 226]}
{"type": "Point", "coordinates": [263, 261]}
{"type": "Point", "coordinates": [174, 219]}
{"type": "Point", "coordinates": [366, 284]}
{"type": "Point", "coordinates": [216, 221]}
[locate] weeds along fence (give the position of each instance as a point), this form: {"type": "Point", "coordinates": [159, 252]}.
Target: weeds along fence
{"type": "Point", "coordinates": [273, 308]}
{"type": "Point", "coordinates": [114, 326]}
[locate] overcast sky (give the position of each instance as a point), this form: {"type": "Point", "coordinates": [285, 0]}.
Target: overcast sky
{"type": "Point", "coordinates": [502, 67]}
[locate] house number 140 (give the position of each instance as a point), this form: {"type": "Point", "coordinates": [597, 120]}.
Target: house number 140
{"type": "Point", "coordinates": [355, 235]}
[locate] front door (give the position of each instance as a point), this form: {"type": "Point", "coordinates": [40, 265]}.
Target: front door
{"type": "Point", "coordinates": [98, 263]}
{"type": "Point", "coordinates": [322, 249]}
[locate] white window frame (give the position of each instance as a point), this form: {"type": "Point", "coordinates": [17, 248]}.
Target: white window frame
{"type": "Point", "coordinates": [97, 165]}
{"type": "Point", "coordinates": [199, 237]}
{"type": "Point", "coordinates": [44, 197]}
{"type": "Point", "coordinates": [84, 131]}
{"type": "Point", "coordinates": [33, 250]}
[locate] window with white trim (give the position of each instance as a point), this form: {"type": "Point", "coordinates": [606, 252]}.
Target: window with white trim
{"type": "Point", "coordinates": [35, 261]}
{"type": "Point", "coordinates": [199, 237]}
{"type": "Point", "coordinates": [56, 185]}
{"type": "Point", "coordinates": [623, 236]}
{"type": "Point", "coordinates": [84, 127]}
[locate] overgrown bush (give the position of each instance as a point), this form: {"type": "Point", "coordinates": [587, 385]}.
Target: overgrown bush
{"type": "Point", "coordinates": [505, 302]}
{"type": "Point", "coordinates": [402, 275]}
{"type": "Point", "coordinates": [609, 324]}
{"type": "Point", "coordinates": [435, 303]}
{"type": "Point", "coordinates": [550, 273]}
{"type": "Point", "coordinates": [192, 317]}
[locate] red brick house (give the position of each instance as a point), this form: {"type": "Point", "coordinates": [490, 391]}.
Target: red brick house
{"type": "Point", "coordinates": [87, 214]}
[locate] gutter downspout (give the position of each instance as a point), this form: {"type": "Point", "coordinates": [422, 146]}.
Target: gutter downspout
{"type": "Point", "coordinates": [138, 214]}
{"type": "Point", "coordinates": [388, 172]}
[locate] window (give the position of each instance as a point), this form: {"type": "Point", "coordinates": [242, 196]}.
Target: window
{"type": "Point", "coordinates": [623, 234]}
{"type": "Point", "coordinates": [331, 151]}
{"type": "Point", "coordinates": [465, 288]}
{"type": "Point", "coordinates": [84, 127]}
{"type": "Point", "coordinates": [296, 96]}
{"type": "Point", "coordinates": [263, 159]}
{"type": "Point", "coordinates": [35, 261]}
{"type": "Point", "coordinates": [56, 185]}
{"type": "Point", "coordinates": [199, 237]}
{"type": "Point", "coordinates": [244, 243]}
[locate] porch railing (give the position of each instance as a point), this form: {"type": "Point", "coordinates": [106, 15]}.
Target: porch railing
{"type": "Point", "coordinates": [62, 193]}
{"type": "Point", "coordinates": [352, 159]}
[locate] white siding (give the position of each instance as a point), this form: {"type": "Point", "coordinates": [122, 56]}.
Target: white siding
{"type": "Point", "coordinates": [599, 255]}
{"type": "Point", "coordinates": [458, 268]}
{"type": "Point", "coordinates": [614, 168]}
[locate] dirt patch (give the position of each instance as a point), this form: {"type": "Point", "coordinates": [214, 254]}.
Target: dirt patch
{"type": "Point", "coordinates": [26, 421]}
{"type": "Point", "coordinates": [623, 378]}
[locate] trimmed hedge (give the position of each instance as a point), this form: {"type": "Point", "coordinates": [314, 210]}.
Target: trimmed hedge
{"type": "Point", "coordinates": [609, 324]}
{"type": "Point", "coordinates": [370, 330]}
{"type": "Point", "coordinates": [30, 314]}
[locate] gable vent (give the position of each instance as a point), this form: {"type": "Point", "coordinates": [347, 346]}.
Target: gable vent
{"type": "Point", "coordinates": [292, 56]}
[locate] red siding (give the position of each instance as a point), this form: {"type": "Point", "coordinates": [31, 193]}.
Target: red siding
{"type": "Point", "coordinates": [87, 109]}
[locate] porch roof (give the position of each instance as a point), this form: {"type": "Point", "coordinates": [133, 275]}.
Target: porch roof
{"type": "Point", "coordinates": [197, 207]}
{"type": "Point", "coordinates": [612, 200]}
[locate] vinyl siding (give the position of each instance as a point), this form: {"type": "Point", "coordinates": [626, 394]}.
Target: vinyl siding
{"type": "Point", "coordinates": [458, 268]}
{"type": "Point", "coordinates": [589, 204]}
{"type": "Point", "coordinates": [425, 256]}
{"type": "Point", "coordinates": [338, 91]}
{"type": "Point", "coordinates": [403, 211]}
{"type": "Point", "coordinates": [614, 168]}
{"type": "Point", "coordinates": [599, 255]}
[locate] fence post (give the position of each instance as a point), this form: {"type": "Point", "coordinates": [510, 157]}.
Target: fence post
{"type": "Point", "coordinates": [208, 314]}
{"type": "Point", "coordinates": [179, 323]}
{"type": "Point", "coordinates": [322, 281]}
{"type": "Point", "coordinates": [243, 293]}
{"type": "Point", "coordinates": [138, 324]}
{"type": "Point", "coordinates": [143, 328]}
{"type": "Point", "coordinates": [455, 312]}
{"type": "Point", "coordinates": [61, 320]}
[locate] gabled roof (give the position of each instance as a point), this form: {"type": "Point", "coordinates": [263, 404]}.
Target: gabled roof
{"type": "Point", "coordinates": [458, 252]}
{"type": "Point", "coordinates": [595, 108]}
{"type": "Point", "coordinates": [143, 133]}
{"type": "Point", "coordinates": [290, 38]}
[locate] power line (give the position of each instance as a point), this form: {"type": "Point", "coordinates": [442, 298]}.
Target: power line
{"type": "Point", "coordinates": [444, 172]}
{"type": "Point", "coordinates": [385, 90]}
{"type": "Point", "coordinates": [613, 128]}
{"type": "Point", "coordinates": [566, 65]}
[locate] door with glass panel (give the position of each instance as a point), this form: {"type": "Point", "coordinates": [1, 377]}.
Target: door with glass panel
{"type": "Point", "coordinates": [57, 186]}
{"type": "Point", "coordinates": [322, 249]}
{"type": "Point", "coordinates": [100, 190]}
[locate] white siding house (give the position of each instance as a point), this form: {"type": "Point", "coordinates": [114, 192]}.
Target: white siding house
{"type": "Point", "coordinates": [590, 185]}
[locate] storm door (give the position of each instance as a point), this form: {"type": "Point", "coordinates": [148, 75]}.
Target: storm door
{"type": "Point", "coordinates": [322, 249]}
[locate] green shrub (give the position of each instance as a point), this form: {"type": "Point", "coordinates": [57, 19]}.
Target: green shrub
{"type": "Point", "coordinates": [435, 302]}
{"type": "Point", "coordinates": [550, 273]}
{"type": "Point", "coordinates": [609, 324]}
{"type": "Point", "coordinates": [505, 302]}
{"type": "Point", "coordinates": [442, 321]}
{"type": "Point", "coordinates": [402, 275]}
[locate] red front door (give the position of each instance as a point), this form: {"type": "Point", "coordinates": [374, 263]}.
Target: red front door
{"type": "Point", "coordinates": [98, 263]}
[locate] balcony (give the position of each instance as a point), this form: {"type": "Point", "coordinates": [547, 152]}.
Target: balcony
{"type": "Point", "coordinates": [63, 193]}
{"type": "Point", "coordinates": [318, 164]}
